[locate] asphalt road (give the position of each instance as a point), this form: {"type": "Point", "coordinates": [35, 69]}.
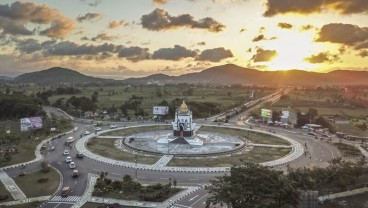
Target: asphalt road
{"type": "Point", "coordinates": [320, 153]}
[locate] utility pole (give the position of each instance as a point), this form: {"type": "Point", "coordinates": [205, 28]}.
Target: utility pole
{"type": "Point", "coordinates": [135, 160]}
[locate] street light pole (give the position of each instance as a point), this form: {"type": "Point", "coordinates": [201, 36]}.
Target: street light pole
{"type": "Point", "coordinates": [135, 160]}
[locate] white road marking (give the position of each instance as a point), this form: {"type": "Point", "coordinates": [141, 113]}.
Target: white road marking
{"type": "Point", "coordinates": [198, 200]}
{"type": "Point", "coordinates": [59, 163]}
{"type": "Point", "coordinates": [191, 199]}
{"type": "Point", "coordinates": [164, 178]}
{"type": "Point", "coordinates": [76, 182]}
{"type": "Point", "coordinates": [193, 179]}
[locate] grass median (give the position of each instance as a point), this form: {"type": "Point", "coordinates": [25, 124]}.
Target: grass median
{"type": "Point", "coordinates": [348, 150]}
{"type": "Point", "coordinates": [106, 148]}
{"type": "Point", "coordinates": [38, 183]}
{"type": "Point", "coordinates": [4, 193]}
{"type": "Point", "coordinates": [254, 137]}
{"type": "Point", "coordinates": [256, 155]}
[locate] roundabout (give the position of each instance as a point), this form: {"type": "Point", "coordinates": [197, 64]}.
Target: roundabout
{"type": "Point", "coordinates": [146, 148]}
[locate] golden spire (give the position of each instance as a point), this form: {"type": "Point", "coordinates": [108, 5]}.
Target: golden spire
{"type": "Point", "coordinates": [183, 107]}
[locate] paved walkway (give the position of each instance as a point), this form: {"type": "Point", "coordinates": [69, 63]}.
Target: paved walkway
{"type": "Point", "coordinates": [88, 192]}
{"type": "Point", "coordinates": [362, 150]}
{"type": "Point", "coordinates": [25, 201]}
{"type": "Point", "coordinates": [343, 194]}
{"type": "Point", "coordinates": [270, 145]}
{"type": "Point", "coordinates": [11, 186]}
{"type": "Point", "coordinates": [164, 160]}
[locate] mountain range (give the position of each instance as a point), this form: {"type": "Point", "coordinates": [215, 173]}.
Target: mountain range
{"type": "Point", "coordinates": [219, 75]}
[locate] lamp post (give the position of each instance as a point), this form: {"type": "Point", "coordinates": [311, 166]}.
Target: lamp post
{"type": "Point", "coordinates": [135, 160]}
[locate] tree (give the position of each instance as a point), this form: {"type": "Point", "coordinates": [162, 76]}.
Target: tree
{"type": "Point", "coordinates": [253, 186]}
{"type": "Point", "coordinates": [94, 96]}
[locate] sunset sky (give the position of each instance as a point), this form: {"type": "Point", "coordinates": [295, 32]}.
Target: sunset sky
{"type": "Point", "coordinates": [132, 38]}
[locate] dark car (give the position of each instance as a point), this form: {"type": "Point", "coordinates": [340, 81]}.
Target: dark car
{"type": "Point", "coordinates": [80, 155]}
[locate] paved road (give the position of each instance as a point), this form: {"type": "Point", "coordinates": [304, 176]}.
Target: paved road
{"type": "Point", "coordinates": [320, 153]}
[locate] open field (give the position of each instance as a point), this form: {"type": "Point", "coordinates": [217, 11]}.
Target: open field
{"type": "Point", "coordinates": [28, 205]}
{"type": "Point", "coordinates": [347, 150]}
{"type": "Point", "coordinates": [3, 191]}
{"type": "Point", "coordinates": [31, 187]}
{"type": "Point", "coordinates": [135, 130]}
{"type": "Point", "coordinates": [256, 155]}
{"type": "Point", "coordinates": [254, 137]}
{"type": "Point", "coordinates": [106, 148]}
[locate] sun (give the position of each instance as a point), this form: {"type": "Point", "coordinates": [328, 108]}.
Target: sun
{"type": "Point", "coordinates": [292, 48]}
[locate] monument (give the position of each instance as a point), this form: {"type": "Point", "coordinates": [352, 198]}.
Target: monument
{"type": "Point", "coordinates": [183, 125]}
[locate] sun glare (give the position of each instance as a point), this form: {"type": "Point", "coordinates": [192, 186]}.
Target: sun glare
{"type": "Point", "coordinates": [292, 49]}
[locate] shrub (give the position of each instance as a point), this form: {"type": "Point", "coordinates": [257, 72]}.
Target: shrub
{"type": "Point", "coordinates": [43, 180]}
{"type": "Point", "coordinates": [3, 197]}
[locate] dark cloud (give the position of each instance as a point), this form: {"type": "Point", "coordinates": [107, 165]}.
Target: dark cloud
{"type": "Point", "coordinates": [67, 48]}
{"type": "Point", "coordinates": [115, 24]}
{"type": "Point", "coordinates": [160, 19]}
{"type": "Point", "coordinates": [89, 17]}
{"type": "Point", "coordinates": [11, 27]}
{"type": "Point", "coordinates": [363, 53]}
{"type": "Point", "coordinates": [285, 25]}
{"type": "Point", "coordinates": [176, 53]}
{"type": "Point", "coordinates": [306, 27]}
{"type": "Point", "coordinates": [134, 53]}
{"type": "Point", "coordinates": [29, 45]}
{"type": "Point", "coordinates": [201, 43]}
{"type": "Point", "coordinates": [261, 37]}
{"type": "Point", "coordinates": [94, 3]}
{"type": "Point", "coordinates": [264, 55]}
{"type": "Point", "coordinates": [243, 30]}
{"type": "Point", "coordinates": [362, 45]}
{"type": "Point", "coordinates": [214, 55]}
{"type": "Point", "coordinates": [322, 57]}
{"type": "Point", "coordinates": [21, 13]}
{"type": "Point", "coordinates": [275, 7]}
{"type": "Point", "coordinates": [343, 33]}
{"type": "Point", "coordinates": [229, 1]}
{"type": "Point", "coordinates": [160, 1]}
{"type": "Point", "coordinates": [104, 37]}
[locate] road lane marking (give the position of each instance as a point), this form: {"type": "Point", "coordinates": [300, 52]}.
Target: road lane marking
{"type": "Point", "coordinates": [116, 174]}
{"type": "Point", "coordinates": [59, 163]}
{"type": "Point", "coordinates": [199, 200]}
{"type": "Point", "coordinates": [193, 179]}
{"type": "Point", "coordinates": [191, 199]}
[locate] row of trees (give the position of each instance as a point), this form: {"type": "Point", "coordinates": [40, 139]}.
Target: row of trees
{"type": "Point", "coordinates": [18, 106]}
{"type": "Point", "coordinates": [256, 186]}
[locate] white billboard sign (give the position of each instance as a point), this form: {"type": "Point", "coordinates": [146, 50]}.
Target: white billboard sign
{"type": "Point", "coordinates": [285, 114]}
{"type": "Point", "coordinates": [160, 110]}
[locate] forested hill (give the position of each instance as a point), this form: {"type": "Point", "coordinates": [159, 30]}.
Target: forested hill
{"type": "Point", "coordinates": [56, 75]}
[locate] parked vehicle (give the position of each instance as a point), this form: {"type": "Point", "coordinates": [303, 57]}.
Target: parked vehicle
{"type": "Point", "coordinates": [70, 139]}
{"type": "Point", "coordinates": [113, 126]}
{"type": "Point", "coordinates": [66, 152]}
{"type": "Point", "coordinates": [86, 133]}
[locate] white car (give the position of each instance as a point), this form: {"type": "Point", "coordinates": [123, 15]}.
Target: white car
{"type": "Point", "coordinates": [72, 165]}
{"type": "Point", "coordinates": [66, 152]}
{"type": "Point", "coordinates": [68, 159]}
{"type": "Point", "coordinates": [113, 126]}
{"type": "Point", "coordinates": [98, 129]}
{"type": "Point", "coordinates": [86, 133]}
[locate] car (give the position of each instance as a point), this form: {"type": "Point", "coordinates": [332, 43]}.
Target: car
{"type": "Point", "coordinates": [80, 155]}
{"type": "Point", "coordinates": [66, 191]}
{"type": "Point", "coordinates": [66, 152]}
{"type": "Point", "coordinates": [113, 126]}
{"type": "Point", "coordinates": [98, 129]}
{"type": "Point", "coordinates": [75, 174]}
{"type": "Point", "coordinates": [68, 159]}
{"type": "Point", "coordinates": [86, 133]}
{"type": "Point", "coordinates": [52, 148]}
{"type": "Point", "coordinates": [72, 165]}
{"type": "Point", "coordinates": [70, 139]}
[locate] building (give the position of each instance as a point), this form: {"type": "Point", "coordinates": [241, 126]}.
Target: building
{"type": "Point", "coordinates": [183, 124]}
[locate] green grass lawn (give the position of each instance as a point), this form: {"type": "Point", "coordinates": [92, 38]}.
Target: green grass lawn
{"type": "Point", "coordinates": [256, 155]}
{"type": "Point", "coordinates": [254, 137]}
{"type": "Point", "coordinates": [32, 188]}
{"type": "Point", "coordinates": [28, 205]}
{"type": "Point", "coordinates": [106, 148]}
{"type": "Point", "coordinates": [3, 191]}
{"type": "Point", "coordinates": [135, 130]}
{"type": "Point", "coordinates": [348, 150]}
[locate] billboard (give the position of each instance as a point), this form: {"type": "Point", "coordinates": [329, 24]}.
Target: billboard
{"type": "Point", "coordinates": [266, 113]}
{"type": "Point", "coordinates": [30, 123]}
{"type": "Point", "coordinates": [285, 114]}
{"type": "Point", "coordinates": [160, 110]}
